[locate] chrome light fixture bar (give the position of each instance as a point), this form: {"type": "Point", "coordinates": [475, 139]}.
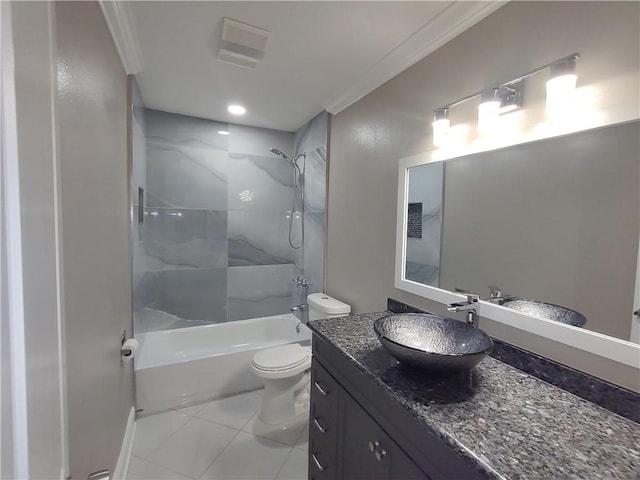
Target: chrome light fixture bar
{"type": "Point", "coordinates": [509, 97]}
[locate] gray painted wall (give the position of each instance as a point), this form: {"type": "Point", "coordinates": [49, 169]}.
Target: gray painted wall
{"type": "Point", "coordinates": [34, 95]}
{"type": "Point", "coordinates": [92, 133]}
{"type": "Point", "coordinates": [394, 121]}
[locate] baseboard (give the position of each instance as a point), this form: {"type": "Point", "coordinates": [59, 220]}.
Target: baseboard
{"type": "Point", "coordinates": [120, 472]}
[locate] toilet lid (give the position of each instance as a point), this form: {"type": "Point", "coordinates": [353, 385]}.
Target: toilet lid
{"type": "Point", "coordinates": [281, 358]}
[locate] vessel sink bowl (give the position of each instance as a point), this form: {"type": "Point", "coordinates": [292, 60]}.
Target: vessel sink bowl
{"type": "Point", "coordinates": [431, 342]}
{"type": "Point", "coordinates": [545, 310]}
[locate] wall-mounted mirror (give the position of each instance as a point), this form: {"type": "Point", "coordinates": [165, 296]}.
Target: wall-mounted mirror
{"type": "Point", "coordinates": [554, 222]}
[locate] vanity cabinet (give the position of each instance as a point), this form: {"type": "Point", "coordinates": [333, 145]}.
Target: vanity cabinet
{"type": "Point", "coordinates": [345, 442]}
{"type": "Point", "coordinates": [356, 431]}
{"type": "Point", "coordinates": [367, 451]}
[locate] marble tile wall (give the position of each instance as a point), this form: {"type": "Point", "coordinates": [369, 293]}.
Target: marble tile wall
{"type": "Point", "coordinates": [312, 138]}
{"type": "Point", "coordinates": [138, 180]}
{"type": "Point", "coordinates": [215, 241]}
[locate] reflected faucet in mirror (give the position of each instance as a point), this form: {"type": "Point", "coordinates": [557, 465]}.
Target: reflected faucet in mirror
{"type": "Point", "coordinates": [470, 306]}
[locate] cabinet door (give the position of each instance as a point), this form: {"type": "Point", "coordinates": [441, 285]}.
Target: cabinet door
{"type": "Point", "coordinates": [368, 452]}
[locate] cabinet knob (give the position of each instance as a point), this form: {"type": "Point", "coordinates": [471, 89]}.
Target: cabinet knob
{"type": "Point", "coordinates": [374, 445]}
{"type": "Point", "coordinates": [380, 454]}
{"type": "Point", "coordinates": [317, 462]}
{"type": "Point", "coordinates": [322, 391]}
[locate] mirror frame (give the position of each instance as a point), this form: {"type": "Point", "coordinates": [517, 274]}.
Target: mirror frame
{"type": "Point", "coordinates": [612, 348]}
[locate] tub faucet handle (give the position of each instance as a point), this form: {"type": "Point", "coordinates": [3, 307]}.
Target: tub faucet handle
{"type": "Point", "coordinates": [496, 293]}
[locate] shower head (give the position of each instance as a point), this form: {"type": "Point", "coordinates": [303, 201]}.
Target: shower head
{"type": "Point", "coordinates": [275, 151]}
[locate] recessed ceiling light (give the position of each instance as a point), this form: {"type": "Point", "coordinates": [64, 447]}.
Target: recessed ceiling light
{"type": "Point", "coordinates": [237, 109]}
{"type": "Point", "coordinates": [223, 132]}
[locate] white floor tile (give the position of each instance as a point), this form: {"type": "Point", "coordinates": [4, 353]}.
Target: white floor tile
{"type": "Point", "coordinates": [151, 431]}
{"type": "Point", "coordinates": [287, 434]}
{"type": "Point", "coordinates": [233, 411]}
{"type": "Point", "coordinates": [192, 449]}
{"type": "Point", "coordinates": [303, 439]}
{"type": "Point", "coordinates": [193, 410]}
{"type": "Point", "coordinates": [249, 457]}
{"type": "Point", "coordinates": [295, 466]}
{"type": "Point", "coordinates": [140, 469]}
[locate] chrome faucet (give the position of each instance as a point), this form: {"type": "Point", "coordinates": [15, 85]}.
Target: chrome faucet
{"type": "Point", "coordinates": [297, 308]}
{"type": "Point", "coordinates": [496, 293]}
{"type": "Point", "coordinates": [470, 306]}
{"type": "Point", "coordinates": [301, 282]}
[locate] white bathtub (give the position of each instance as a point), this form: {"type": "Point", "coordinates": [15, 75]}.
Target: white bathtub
{"type": "Point", "coordinates": [188, 365]}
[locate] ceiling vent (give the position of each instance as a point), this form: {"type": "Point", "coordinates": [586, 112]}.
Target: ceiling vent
{"type": "Point", "coordinates": [243, 45]}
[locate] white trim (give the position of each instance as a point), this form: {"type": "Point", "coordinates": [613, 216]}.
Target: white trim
{"type": "Point", "coordinates": [635, 320]}
{"type": "Point", "coordinates": [120, 472]}
{"type": "Point", "coordinates": [119, 19]}
{"type": "Point", "coordinates": [11, 192]}
{"type": "Point", "coordinates": [430, 37]}
{"type": "Point", "coordinates": [605, 346]}
{"type": "Point", "coordinates": [57, 208]}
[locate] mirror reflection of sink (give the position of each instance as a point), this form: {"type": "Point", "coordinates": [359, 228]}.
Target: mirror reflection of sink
{"type": "Point", "coordinates": [544, 310]}
{"type": "Point", "coordinates": [431, 342]}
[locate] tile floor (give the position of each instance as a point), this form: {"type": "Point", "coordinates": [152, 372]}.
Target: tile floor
{"type": "Point", "coordinates": [221, 439]}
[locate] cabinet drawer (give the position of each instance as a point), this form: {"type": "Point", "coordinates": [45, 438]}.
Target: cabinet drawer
{"type": "Point", "coordinates": [323, 422]}
{"type": "Point", "coordinates": [324, 388]}
{"type": "Point", "coordinates": [322, 460]}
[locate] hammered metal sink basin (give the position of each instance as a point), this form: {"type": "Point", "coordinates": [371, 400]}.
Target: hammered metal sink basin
{"type": "Point", "coordinates": [545, 310]}
{"type": "Point", "coordinates": [431, 342]}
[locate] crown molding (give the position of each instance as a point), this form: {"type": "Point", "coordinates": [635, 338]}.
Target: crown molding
{"type": "Point", "coordinates": [448, 24]}
{"type": "Point", "coordinates": [123, 31]}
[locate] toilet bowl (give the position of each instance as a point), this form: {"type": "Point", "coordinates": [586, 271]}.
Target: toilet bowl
{"type": "Point", "coordinates": [285, 369]}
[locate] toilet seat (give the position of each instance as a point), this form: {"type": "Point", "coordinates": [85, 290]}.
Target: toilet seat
{"type": "Point", "coordinates": [283, 361]}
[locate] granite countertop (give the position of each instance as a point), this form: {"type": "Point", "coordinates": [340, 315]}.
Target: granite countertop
{"type": "Point", "coordinates": [512, 425]}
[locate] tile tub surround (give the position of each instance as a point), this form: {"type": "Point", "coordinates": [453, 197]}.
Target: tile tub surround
{"type": "Point", "coordinates": [216, 222]}
{"type": "Point", "coordinates": [312, 140]}
{"type": "Point", "coordinates": [508, 425]}
{"type": "Point", "coordinates": [612, 397]}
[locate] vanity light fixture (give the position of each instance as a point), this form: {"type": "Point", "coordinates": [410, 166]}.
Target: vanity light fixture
{"type": "Point", "coordinates": [488, 111]}
{"type": "Point", "coordinates": [236, 109]}
{"type": "Point", "coordinates": [511, 96]}
{"type": "Point", "coordinates": [440, 126]}
{"type": "Point", "coordinates": [561, 86]}
{"type": "Point", "coordinates": [508, 97]}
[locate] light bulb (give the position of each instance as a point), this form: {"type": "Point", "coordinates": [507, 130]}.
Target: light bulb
{"type": "Point", "coordinates": [440, 127]}
{"type": "Point", "coordinates": [560, 95]}
{"type": "Point", "coordinates": [488, 111]}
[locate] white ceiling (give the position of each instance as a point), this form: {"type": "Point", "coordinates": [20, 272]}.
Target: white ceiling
{"type": "Point", "coordinates": [321, 55]}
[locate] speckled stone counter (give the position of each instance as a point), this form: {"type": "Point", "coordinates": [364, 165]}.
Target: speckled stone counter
{"type": "Point", "coordinates": [510, 424]}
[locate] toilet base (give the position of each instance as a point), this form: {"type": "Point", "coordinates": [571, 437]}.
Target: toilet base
{"type": "Point", "coordinates": [284, 399]}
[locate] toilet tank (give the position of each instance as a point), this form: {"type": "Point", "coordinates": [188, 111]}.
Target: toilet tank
{"type": "Point", "coordinates": [322, 305]}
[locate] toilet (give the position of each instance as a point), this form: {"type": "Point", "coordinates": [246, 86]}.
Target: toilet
{"type": "Point", "coordinates": [285, 369]}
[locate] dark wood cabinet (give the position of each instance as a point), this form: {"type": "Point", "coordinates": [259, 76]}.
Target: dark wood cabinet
{"type": "Point", "coordinates": [323, 424]}
{"type": "Point", "coordinates": [358, 431]}
{"type": "Point", "coordinates": [367, 451]}
{"type": "Point", "coordinates": [345, 442]}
